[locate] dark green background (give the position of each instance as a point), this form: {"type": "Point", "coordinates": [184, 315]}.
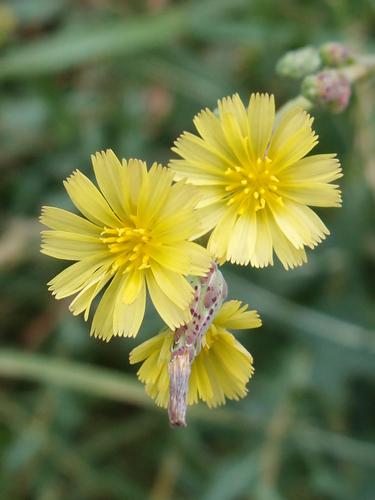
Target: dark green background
{"type": "Point", "coordinates": [80, 76]}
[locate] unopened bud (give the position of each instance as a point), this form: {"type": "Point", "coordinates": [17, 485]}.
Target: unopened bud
{"type": "Point", "coordinates": [329, 88]}
{"type": "Point", "coordinates": [299, 63]}
{"type": "Point", "coordinates": [335, 55]}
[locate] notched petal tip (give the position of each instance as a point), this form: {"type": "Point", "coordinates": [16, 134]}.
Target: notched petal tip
{"type": "Point", "coordinates": [100, 336]}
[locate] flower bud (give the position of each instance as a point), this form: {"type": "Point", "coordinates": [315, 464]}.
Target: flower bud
{"type": "Point", "coordinates": [299, 63]}
{"type": "Point", "coordinates": [329, 88]}
{"type": "Point", "coordinates": [335, 55]}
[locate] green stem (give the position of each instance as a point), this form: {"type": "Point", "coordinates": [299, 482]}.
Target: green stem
{"type": "Point", "coordinates": [365, 68]}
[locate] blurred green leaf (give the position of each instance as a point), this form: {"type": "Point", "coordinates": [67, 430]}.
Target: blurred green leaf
{"type": "Point", "coordinates": [75, 376]}
{"type": "Point", "coordinates": [91, 44]}
{"type": "Point", "coordinates": [301, 318]}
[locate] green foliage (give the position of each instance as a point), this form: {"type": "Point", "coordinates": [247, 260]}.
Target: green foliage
{"type": "Point", "coordinates": [78, 77]}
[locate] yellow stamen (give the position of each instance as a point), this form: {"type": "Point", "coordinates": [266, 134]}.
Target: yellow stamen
{"type": "Point", "coordinates": [131, 244]}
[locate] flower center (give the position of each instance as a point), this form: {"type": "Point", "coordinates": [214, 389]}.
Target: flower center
{"type": "Point", "coordinates": [131, 246]}
{"type": "Point", "coordinates": [250, 187]}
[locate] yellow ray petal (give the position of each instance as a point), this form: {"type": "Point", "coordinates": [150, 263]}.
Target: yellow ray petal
{"type": "Point", "coordinates": [111, 178]}
{"type": "Point", "coordinates": [242, 241]}
{"type": "Point", "coordinates": [89, 201]}
{"type": "Point", "coordinates": [289, 255]}
{"type": "Point", "coordinates": [313, 224]}
{"type": "Point", "coordinates": [209, 217]}
{"type": "Point", "coordinates": [70, 246]}
{"type": "Point", "coordinates": [218, 242]}
{"type": "Point", "coordinates": [102, 323]}
{"type": "Point", "coordinates": [172, 315]}
{"type": "Point", "coordinates": [149, 373]}
{"type": "Point", "coordinates": [217, 383]}
{"type": "Point", "coordinates": [261, 117]}
{"type": "Point", "coordinates": [290, 224]}
{"type": "Point", "coordinates": [211, 131]}
{"type": "Point", "coordinates": [234, 106]}
{"type": "Point", "coordinates": [262, 255]}
{"type": "Point", "coordinates": [200, 260]}
{"type": "Point", "coordinates": [133, 285]}
{"type": "Point", "coordinates": [183, 258]}
{"type": "Point", "coordinates": [144, 350]}
{"type": "Point", "coordinates": [173, 258]}
{"type": "Point", "coordinates": [127, 318]}
{"type": "Point", "coordinates": [203, 382]}
{"type": "Point", "coordinates": [173, 285]}
{"type": "Point", "coordinates": [195, 172]}
{"type": "Point", "coordinates": [136, 173]}
{"type": "Point", "coordinates": [313, 194]}
{"type": "Point", "coordinates": [314, 168]}
{"type": "Point", "coordinates": [154, 194]}
{"type": "Point", "coordinates": [236, 142]}
{"type": "Point", "coordinates": [83, 301]}
{"type": "Point", "coordinates": [232, 315]}
{"type": "Point", "coordinates": [182, 198]}
{"type": "Point", "coordinates": [62, 220]}
{"type": "Point", "coordinates": [195, 149]}
{"type": "Point", "coordinates": [77, 276]}
{"type": "Point", "coordinates": [227, 366]}
{"type": "Point", "coordinates": [236, 353]}
{"type": "Point", "coordinates": [292, 140]}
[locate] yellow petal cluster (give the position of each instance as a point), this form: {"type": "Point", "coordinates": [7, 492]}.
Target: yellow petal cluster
{"type": "Point", "coordinates": [134, 234]}
{"type": "Point", "coordinates": [221, 370]}
{"type": "Point", "coordinates": [257, 181]}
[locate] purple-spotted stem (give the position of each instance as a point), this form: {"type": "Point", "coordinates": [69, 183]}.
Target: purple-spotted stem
{"type": "Point", "coordinates": [209, 295]}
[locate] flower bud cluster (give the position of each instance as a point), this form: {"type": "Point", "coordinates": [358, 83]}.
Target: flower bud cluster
{"type": "Point", "coordinates": [326, 82]}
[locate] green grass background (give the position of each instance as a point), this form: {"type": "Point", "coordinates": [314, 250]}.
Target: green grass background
{"type": "Point", "coordinates": [80, 76]}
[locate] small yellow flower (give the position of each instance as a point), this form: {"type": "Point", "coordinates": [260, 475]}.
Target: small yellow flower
{"type": "Point", "coordinates": [221, 370]}
{"type": "Point", "coordinates": [135, 232]}
{"type": "Point", "coordinates": [257, 182]}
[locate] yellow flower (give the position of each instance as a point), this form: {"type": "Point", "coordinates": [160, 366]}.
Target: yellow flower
{"type": "Point", "coordinates": [135, 232]}
{"type": "Point", "coordinates": [258, 184]}
{"type": "Point", "coordinates": [222, 368]}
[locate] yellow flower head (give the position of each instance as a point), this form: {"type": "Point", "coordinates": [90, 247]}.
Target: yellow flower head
{"type": "Point", "coordinates": [257, 182]}
{"type": "Point", "coordinates": [135, 232]}
{"type": "Point", "coordinates": [221, 370]}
